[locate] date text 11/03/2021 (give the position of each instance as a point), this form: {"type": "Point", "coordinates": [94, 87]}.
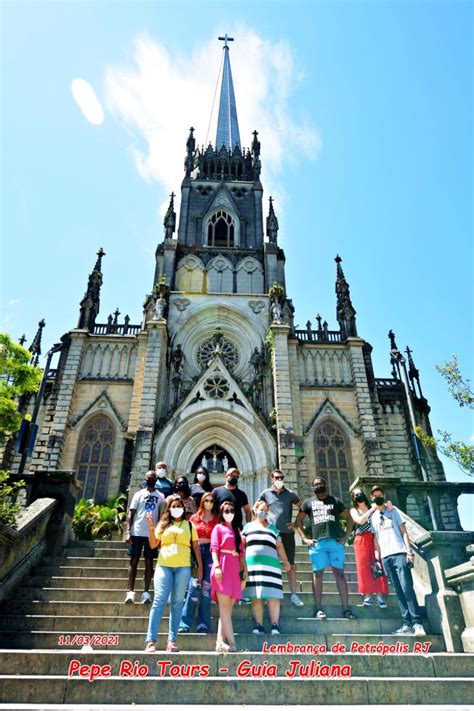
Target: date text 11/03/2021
{"type": "Point", "coordinates": [246, 668]}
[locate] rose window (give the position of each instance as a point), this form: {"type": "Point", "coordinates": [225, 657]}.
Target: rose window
{"type": "Point", "coordinates": [216, 387]}
{"type": "Point", "coordinates": [224, 348]}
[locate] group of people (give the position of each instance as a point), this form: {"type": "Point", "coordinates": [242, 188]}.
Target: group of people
{"type": "Point", "coordinates": [202, 526]}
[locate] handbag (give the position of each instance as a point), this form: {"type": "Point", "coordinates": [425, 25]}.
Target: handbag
{"type": "Point", "coordinates": [194, 563]}
{"type": "Point", "coordinates": [377, 570]}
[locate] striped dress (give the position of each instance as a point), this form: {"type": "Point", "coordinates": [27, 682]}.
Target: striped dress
{"type": "Point", "coordinates": [264, 568]}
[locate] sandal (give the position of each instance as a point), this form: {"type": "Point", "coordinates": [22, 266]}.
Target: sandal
{"type": "Point", "coordinates": [150, 647]}
{"type": "Point", "coordinates": [349, 615]}
{"type": "Point", "coordinates": [172, 647]}
{"type": "Point", "coordinates": [320, 614]}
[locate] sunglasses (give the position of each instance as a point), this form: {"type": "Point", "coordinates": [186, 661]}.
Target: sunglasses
{"type": "Point", "coordinates": [228, 511]}
{"type": "Point", "coordinates": [280, 478]}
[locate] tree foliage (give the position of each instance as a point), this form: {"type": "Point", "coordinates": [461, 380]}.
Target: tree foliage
{"type": "Point", "coordinates": [17, 377]}
{"type": "Point", "coordinates": [460, 388]}
{"type": "Point", "coordinates": [9, 509]}
{"type": "Point", "coordinates": [99, 520]}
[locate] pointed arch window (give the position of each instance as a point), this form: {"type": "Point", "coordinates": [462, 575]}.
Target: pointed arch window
{"type": "Point", "coordinates": [94, 457]}
{"type": "Point", "coordinates": [221, 230]}
{"type": "Point", "coordinates": [332, 459]}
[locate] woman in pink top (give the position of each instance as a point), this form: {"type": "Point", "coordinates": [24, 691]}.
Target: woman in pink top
{"type": "Point", "coordinates": [228, 573]}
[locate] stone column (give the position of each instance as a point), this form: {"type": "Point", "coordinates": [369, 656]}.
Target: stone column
{"type": "Point", "coordinates": [373, 460]}
{"type": "Point", "coordinates": [146, 400]}
{"type": "Point", "coordinates": [283, 403]}
{"type": "Point", "coordinates": [57, 428]}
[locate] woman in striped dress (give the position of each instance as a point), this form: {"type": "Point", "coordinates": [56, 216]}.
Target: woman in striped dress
{"type": "Point", "coordinates": [263, 552]}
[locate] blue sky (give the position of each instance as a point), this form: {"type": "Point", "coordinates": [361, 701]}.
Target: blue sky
{"type": "Point", "coordinates": [365, 118]}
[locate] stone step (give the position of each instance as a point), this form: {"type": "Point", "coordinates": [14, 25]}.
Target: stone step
{"type": "Point", "coordinates": [120, 623]}
{"type": "Point", "coordinates": [193, 642]}
{"type": "Point", "coordinates": [225, 690]}
{"type": "Point", "coordinates": [79, 607]}
{"type": "Point", "coordinates": [56, 662]}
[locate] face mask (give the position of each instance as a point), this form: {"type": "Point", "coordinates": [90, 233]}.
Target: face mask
{"type": "Point", "coordinates": [379, 500]}
{"type": "Point", "coordinates": [201, 477]}
{"type": "Point", "coordinates": [161, 473]}
{"type": "Point", "coordinates": [319, 488]}
{"type": "Point", "coordinates": [209, 505]}
{"type": "Point", "coordinates": [262, 515]}
{"type": "Point", "coordinates": [177, 512]}
{"type": "Point", "coordinates": [278, 484]}
{"type": "Point", "coordinates": [228, 517]}
{"type": "Point", "coordinates": [359, 498]}
{"type": "Point", "coordinates": [232, 480]}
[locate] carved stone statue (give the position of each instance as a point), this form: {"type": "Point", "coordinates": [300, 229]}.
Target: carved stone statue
{"type": "Point", "coordinates": [160, 308]}
{"type": "Point", "coordinates": [276, 311]}
{"type": "Point", "coordinates": [177, 358]}
{"type": "Point", "coordinates": [256, 361]}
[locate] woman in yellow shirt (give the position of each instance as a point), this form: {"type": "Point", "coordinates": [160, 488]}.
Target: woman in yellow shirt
{"type": "Point", "coordinates": [175, 535]}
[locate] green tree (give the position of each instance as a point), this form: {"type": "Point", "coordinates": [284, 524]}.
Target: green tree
{"type": "Point", "coordinates": [17, 377]}
{"type": "Point", "coordinates": [461, 390]}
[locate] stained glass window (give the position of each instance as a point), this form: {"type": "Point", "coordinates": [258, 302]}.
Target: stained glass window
{"type": "Point", "coordinates": [94, 457]}
{"type": "Point", "coordinates": [332, 460]}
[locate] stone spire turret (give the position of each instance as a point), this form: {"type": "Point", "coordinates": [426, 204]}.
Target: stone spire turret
{"type": "Point", "coordinates": [35, 348]}
{"type": "Point", "coordinates": [345, 312]}
{"type": "Point", "coordinates": [90, 303]}
{"type": "Point", "coordinates": [272, 224]}
{"type": "Point", "coordinates": [170, 219]}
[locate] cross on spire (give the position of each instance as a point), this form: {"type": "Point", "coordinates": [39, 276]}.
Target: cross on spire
{"type": "Point", "coordinates": [226, 39]}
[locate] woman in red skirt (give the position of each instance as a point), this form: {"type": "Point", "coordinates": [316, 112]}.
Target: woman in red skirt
{"type": "Point", "coordinates": [364, 550]}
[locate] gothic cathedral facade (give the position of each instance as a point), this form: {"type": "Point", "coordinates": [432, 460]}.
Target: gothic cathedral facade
{"type": "Point", "coordinates": [216, 372]}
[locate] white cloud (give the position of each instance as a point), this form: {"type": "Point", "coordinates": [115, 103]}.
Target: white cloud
{"type": "Point", "coordinates": [86, 99]}
{"type": "Point", "coordinates": [165, 92]}
{"type": "Point", "coordinates": [14, 302]}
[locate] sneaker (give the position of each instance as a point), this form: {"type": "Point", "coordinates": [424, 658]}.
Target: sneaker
{"type": "Point", "coordinates": [381, 603]}
{"type": "Point", "coordinates": [246, 601]}
{"type": "Point", "coordinates": [183, 630]}
{"type": "Point", "coordinates": [258, 629]}
{"type": "Point", "coordinates": [367, 601]}
{"type": "Point", "coordinates": [172, 647]}
{"type": "Point", "coordinates": [275, 628]}
{"type": "Point", "coordinates": [150, 647]}
{"type": "Point", "coordinates": [320, 614]}
{"type": "Point", "coordinates": [202, 628]}
{"type": "Point", "coordinates": [145, 598]}
{"type": "Point", "coordinates": [130, 597]}
{"type": "Point", "coordinates": [296, 601]}
{"type": "Point", "coordinates": [419, 630]}
{"type": "Point", "coordinates": [404, 629]}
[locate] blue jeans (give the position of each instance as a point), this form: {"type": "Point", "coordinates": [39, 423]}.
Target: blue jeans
{"type": "Point", "coordinates": [400, 576]}
{"type": "Point", "coordinates": [203, 596]}
{"type": "Point", "coordinates": [168, 580]}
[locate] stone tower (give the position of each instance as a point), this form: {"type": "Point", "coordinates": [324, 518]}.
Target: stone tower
{"type": "Point", "coordinates": [216, 373]}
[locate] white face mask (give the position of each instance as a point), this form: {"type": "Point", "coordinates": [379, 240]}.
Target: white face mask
{"type": "Point", "coordinates": [278, 484]}
{"type": "Point", "coordinates": [229, 517]}
{"type": "Point", "coordinates": [201, 477]}
{"type": "Point", "coordinates": [262, 515]}
{"type": "Point", "coordinates": [177, 512]}
{"type": "Point", "coordinates": [161, 473]}
{"type": "Point", "coordinates": [209, 505]}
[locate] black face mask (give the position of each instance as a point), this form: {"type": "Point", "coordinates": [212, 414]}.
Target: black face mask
{"type": "Point", "coordinates": [379, 500]}
{"type": "Point", "coordinates": [359, 498]}
{"type": "Point", "coordinates": [232, 480]}
{"type": "Point", "coordinates": [320, 489]}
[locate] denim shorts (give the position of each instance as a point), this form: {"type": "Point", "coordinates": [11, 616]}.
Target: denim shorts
{"type": "Point", "coordinates": [327, 552]}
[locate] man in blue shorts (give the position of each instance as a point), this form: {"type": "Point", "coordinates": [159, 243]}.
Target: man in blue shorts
{"type": "Point", "coordinates": [326, 547]}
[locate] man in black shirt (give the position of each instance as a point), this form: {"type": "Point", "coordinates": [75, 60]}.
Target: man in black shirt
{"type": "Point", "coordinates": [231, 492]}
{"type": "Point", "coordinates": [326, 547]}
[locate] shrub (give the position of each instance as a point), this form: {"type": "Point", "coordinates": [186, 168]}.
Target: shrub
{"type": "Point", "coordinates": [99, 520]}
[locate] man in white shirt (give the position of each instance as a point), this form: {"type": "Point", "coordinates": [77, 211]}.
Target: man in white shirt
{"type": "Point", "coordinates": [144, 501]}
{"type": "Point", "coordinates": [392, 547]}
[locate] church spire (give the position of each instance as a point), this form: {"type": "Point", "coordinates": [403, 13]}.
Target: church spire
{"type": "Point", "coordinates": [35, 348]}
{"type": "Point", "coordinates": [91, 301]}
{"type": "Point", "coordinates": [169, 222]}
{"type": "Point", "coordinates": [227, 123]}
{"type": "Point", "coordinates": [272, 224]}
{"type": "Point", "coordinates": [345, 312]}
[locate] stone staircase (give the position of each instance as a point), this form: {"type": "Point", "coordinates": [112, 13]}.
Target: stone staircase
{"type": "Point", "coordinates": [77, 599]}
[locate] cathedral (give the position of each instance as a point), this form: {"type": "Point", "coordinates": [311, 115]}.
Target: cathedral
{"type": "Point", "coordinates": [216, 372]}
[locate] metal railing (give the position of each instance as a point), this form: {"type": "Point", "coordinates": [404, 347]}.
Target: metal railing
{"type": "Point", "coordinates": [116, 329]}
{"type": "Point", "coordinates": [322, 336]}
